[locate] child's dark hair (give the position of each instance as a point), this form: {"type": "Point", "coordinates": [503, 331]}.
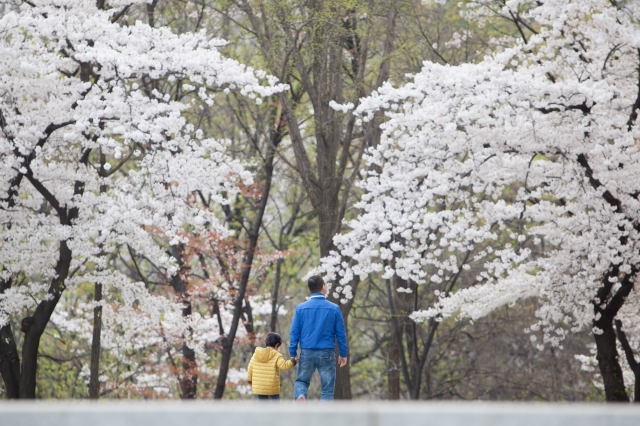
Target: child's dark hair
{"type": "Point", "coordinates": [273, 340]}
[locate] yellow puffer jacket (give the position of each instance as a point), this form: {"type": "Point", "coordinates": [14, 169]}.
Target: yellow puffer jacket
{"type": "Point", "coordinates": [264, 371]}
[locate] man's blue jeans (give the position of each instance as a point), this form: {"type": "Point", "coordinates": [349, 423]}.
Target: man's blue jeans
{"type": "Point", "coordinates": [325, 361]}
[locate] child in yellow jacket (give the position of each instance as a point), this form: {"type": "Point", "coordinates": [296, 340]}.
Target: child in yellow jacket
{"type": "Point", "coordinates": [265, 366]}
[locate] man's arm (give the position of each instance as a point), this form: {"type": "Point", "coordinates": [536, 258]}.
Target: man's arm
{"type": "Point", "coordinates": [294, 334]}
{"type": "Point", "coordinates": [341, 335]}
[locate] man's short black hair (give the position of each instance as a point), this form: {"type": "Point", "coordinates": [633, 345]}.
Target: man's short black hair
{"type": "Point", "coordinates": [273, 340]}
{"type": "Point", "coordinates": [315, 284]}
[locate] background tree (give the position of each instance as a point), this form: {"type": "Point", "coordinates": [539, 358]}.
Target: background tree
{"type": "Point", "coordinates": [53, 206]}
{"type": "Point", "coordinates": [550, 117]}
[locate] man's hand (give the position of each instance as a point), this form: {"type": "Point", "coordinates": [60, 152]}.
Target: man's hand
{"type": "Point", "coordinates": [342, 361]}
{"type": "Point", "coordinates": [297, 358]}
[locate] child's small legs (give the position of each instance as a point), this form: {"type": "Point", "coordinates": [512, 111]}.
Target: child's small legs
{"type": "Point", "coordinates": [268, 397]}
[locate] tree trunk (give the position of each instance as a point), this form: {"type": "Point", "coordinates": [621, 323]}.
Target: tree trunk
{"type": "Point", "coordinates": [9, 363]}
{"type": "Point", "coordinates": [405, 304]}
{"type": "Point", "coordinates": [631, 358]}
{"type": "Point", "coordinates": [274, 297]}
{"type": "Point", "coordinates": [94, 369]}
{"type": "Point", "coordinates": [247, 321]}
{"type": "Point", "coordinates": [9, 359]}
{"type": "Point", "coordinates": [608, 362]}
{"type": "Point", "coordinates": [606, 338]}
{"type": "Point", "coordinates": [343, 374]}
{"type": "Point", "coordinates": [227, 341]}
{"type": "Point", "coordinates": [34, 326]}
{"type": "Point", "coordinates": [94, 381]}
{"type": "Point", "coordinates": [188, 376]}
{"type": "Point", "coordinates": [393, 366]}
{"type": "Point", "coordinates": [189, 373]}
{"type": "Point", "coordinates": [400, 306]}
{"type": "Point", "coordinates": [421, 360]}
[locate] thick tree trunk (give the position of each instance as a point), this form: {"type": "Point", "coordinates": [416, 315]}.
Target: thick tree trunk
{"type": "Point", "coordinates": [94, 381]}
{"type": "Point", "coordinates": [606, 337]}
{"type": "Point", "coordinates": [631, 358]}
{"type": "Point", "coordinates": [343, 383]}
{"type": "Point", "coordinates": [9, 363]}
{"type": "Point", "coordinates": [343, 374]}
{"type": "Point", "coordinates": [34, 326]}
{"type": "Point", "coordinates": [9, 359]}
{"type": "Point", "coordinates": [608, 362]}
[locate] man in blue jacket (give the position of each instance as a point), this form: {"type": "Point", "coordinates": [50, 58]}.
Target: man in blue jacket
{"type": "Point", "coordinates": [317, 323]}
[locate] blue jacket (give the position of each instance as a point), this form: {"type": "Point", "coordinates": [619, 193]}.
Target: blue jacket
{"type": "Point", "coordinates": [317, 323]}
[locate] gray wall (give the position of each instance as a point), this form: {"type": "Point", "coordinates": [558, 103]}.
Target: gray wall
{"type": "Point", "coordinates": [170, 413]}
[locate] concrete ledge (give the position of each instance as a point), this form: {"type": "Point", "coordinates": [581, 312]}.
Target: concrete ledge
{"type": "Point", "coordinates": [210, 413]}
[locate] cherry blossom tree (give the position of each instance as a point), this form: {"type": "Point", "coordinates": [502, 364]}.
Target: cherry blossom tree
{"type": "Point", "coordinates": [538, 143]}
{"type": "Point", "coordinates": [96, 151]}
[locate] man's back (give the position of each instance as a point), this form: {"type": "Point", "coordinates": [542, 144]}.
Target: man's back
{"type": "Point", "coordinates": [317, 323]}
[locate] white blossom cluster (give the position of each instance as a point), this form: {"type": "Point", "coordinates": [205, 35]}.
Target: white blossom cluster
{"type": "Point", "coordinates": [96, 153]}
{"type": "Point", "coordinates": [538, 142]}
